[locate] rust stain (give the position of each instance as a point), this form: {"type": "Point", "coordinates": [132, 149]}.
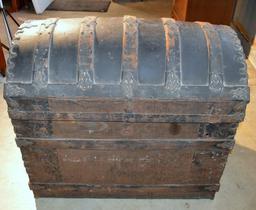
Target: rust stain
{"type": "Point", "coordinates": [174, 128]}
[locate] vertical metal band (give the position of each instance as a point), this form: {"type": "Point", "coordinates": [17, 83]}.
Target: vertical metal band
{"type": "Point", "coordinates": [41, 53]}
{"type": "Point", "coordinates": [173, 66]}
{"type": "Point", "coordinates": [214, 57]}
{"type": "Point", "coordinates": [129, 55]}
{"type": "Point", "coordinates": [86, 53]}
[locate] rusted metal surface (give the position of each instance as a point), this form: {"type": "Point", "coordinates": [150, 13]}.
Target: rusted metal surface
{"type": "Point", "coordinates": [125, 107]}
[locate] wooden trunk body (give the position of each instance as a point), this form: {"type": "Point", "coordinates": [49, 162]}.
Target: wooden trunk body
{"type": "Point", "coordinates": [93, 123]}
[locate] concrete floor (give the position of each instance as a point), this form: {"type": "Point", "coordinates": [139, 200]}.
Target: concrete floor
{"type": "Point", "coordinates": [238, 184]}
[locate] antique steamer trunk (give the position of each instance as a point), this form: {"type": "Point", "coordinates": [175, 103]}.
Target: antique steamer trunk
{"type": "Point", "coordinates": [125, 107]}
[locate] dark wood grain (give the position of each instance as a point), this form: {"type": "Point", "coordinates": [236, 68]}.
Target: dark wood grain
{"type": "Point", "coordinates": [128, 162]}
{"type": "Point", "coordinates": [215, 12]}
{"type": "Point", "coordinates": [122, 130]}
{"type": "Point", "coordinates": [108, 105]}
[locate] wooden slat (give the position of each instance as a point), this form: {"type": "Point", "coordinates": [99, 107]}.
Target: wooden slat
{"type": "Point", "coordinates": [108, 105]}
{"type": "Point", "coordinates": [122, 130]}
{"type": "Point", "coordinates": [127, 117]}
{"type": "Point", "coordinates": [94, 191]}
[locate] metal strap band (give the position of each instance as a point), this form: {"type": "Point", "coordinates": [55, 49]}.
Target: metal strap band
{"type": "Point", "coordinates": [129, 55]}
{"type": "Point", "coordinates": [86, 53]}
{"type": "Point", "coordinates": [173, 67]}
{"type": "Point", "coordinates": [41, 53]}
{"type": "Point", "coordinates": [215, 58]}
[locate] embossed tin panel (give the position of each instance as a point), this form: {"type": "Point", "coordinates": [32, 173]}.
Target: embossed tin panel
{"type": "Point", "coordinates": [120, 58]}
